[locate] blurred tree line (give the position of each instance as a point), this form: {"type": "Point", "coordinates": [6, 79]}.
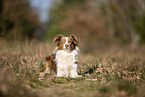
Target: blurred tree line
{"type": "Point", "coordinates": [97, 20]}
{"type": "Point", "coordinates": [17, 21]}
{"type": "Point", "coordinates": [75, 16]}
{"type": "Point", "coordinates": [126, 20]}
{"type": "Point", "coordinates": [91, 20]}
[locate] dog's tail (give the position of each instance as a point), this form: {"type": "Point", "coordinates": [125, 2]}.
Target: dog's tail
{"type": "Point", "coordinates": [50, 63]}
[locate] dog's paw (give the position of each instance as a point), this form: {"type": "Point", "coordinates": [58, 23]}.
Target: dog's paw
{"type": "Point", "coordinates": [76, 76]}
{"type": "Point", "coordinates": [79, 76]}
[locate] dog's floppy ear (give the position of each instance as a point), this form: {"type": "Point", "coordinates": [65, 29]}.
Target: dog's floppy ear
{"type": "Point", "coordinates": [57, 39]}
{"type": "Point", "coordinates": [75, 39]}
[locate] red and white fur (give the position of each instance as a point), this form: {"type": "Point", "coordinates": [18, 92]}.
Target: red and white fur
{"type": "Point", "coordinates": [63, 62]}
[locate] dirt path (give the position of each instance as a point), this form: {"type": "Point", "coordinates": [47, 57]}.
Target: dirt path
{"type": "Point", "coordinates": [54, 92]}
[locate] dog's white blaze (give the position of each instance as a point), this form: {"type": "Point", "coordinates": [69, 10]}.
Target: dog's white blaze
{"type": "Point", "coordinates": [66, 66]}
{"type": "Point", "coordinates": [66, 42]}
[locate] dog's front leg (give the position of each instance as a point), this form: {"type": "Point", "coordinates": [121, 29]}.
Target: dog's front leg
{"type": "Point", "coordinates": [73, 71]}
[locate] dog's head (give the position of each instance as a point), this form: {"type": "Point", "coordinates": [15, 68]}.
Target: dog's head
{"type": "Point", "coordinates": [66, 43]}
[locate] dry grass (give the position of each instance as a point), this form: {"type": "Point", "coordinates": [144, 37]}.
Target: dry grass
{"type": "Point", "coordinates": [115, 72]}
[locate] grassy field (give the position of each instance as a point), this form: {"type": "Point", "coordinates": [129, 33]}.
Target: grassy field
{"type": "Point", "coordinates": [116, 71]}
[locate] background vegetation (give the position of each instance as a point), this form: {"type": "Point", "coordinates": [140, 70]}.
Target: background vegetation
{"type": "Point", "coordinates": [100, 21]}
{"type": "Point", "coordinates": [17, 21]}
{"type": "Point", "coordinates": [112, 47]}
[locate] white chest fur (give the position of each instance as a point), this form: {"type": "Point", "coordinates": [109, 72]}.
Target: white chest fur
{"type": "Point", "coordinates": [66, 63]}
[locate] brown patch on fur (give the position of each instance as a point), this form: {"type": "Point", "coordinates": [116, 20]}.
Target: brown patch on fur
{"type": "Point", "coordinates": [60, 47]}
{"type": "Point", "coordinates": [51, 64]}
{"type": "Point", "coordinates": [72, 46]}
{"type": "Point", "coordinates": [69, 40]}
{"type": "Point", "coordinates": [61, 43]}
{"type": "Point", "coordinates": [64, 40]}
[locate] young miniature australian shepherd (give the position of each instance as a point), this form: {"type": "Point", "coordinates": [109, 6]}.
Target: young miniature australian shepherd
{"type": "Point", "coordinates": [64, 60]}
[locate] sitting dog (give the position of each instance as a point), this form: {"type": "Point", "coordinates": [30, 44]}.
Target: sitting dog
{"type": "Point", "coordinates": [64, 60]}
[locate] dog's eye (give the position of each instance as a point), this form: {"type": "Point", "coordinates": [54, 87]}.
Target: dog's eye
{"type": "Point", "coordinates": [69, 41]}
{"type": "Point", "coordinates": [62, 42]}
